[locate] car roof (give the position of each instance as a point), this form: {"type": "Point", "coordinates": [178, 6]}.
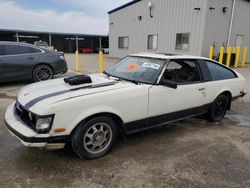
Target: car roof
{"type": "Point", "coordinates": [17, 43]}
{"type": "Point", "coordinates": [22, 44]}
{"type": "Point", "coordinates": [167, 56]}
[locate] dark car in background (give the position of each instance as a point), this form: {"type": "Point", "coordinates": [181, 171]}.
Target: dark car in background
{"type": "Point", "coordinates": [22, 61]}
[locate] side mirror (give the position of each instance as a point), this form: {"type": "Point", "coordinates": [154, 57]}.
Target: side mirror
{"type": "Point", "coordinates": [168, 83]}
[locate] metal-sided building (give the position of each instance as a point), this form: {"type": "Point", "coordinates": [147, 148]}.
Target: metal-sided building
{"type": "Point", "coordinates": [66, 42]}
{"type": "Point", "coordinates": [179, 26]}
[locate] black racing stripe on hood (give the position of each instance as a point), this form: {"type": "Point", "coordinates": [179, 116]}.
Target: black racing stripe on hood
{"type": "Point", "coordinates": [38, 99]}
{"type": "Point", "coordinates": [83, 95]}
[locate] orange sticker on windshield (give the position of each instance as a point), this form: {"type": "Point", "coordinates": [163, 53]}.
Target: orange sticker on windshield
{"type": "Point", "coordinates": [131, 67]}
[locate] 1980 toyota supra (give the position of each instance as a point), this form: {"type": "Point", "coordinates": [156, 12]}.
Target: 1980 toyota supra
{"type": "Point", "coordinates": [139, 92]}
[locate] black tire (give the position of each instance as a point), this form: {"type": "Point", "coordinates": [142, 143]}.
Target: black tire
{"type": "Point", "coordinates": [218, 109]}
{"type": "Point", "coordinates": [91, 143]}
{"type": "Point", "coordinates": [42, 73]}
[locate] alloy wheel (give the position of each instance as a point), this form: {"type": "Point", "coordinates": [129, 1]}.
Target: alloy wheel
{"type": "Point", "coordinates": [44, 73]}
{"type": "Point", "coordinates": [97, 138]}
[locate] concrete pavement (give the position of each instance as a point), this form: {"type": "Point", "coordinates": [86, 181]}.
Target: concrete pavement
{"type": "Point", "coordinates": [89, 63]}
{"type": "Point", "coordinates": [190, 153]}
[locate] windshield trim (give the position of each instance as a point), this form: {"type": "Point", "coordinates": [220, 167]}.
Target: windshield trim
{"type": "Point", "coordinates": [154, 82]}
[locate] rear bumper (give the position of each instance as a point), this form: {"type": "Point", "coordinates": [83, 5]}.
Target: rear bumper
{"type": "Point", "coordinates": [243, 93]}
{"type": "Point", "coordinates": [60, 67]}
{"type": "Point", "coordinates": [28, 137]}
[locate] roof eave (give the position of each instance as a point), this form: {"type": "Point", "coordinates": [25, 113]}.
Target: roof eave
{"type": "Point", "coordinates": [123, 6]}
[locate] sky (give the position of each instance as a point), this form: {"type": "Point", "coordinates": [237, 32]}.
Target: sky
{"type": "Point", "coordinates": [68, 16]}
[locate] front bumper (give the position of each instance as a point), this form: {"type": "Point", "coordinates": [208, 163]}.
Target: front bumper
{"type": "Point", "coordinates": [27, 136]}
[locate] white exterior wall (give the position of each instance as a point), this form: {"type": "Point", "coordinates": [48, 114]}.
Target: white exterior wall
{"type": "Point", "coordinates": [217, 25]}
{"type": "Point", "coordinates": [206, 27]}
{"type": "Point", "coordinates": [170, 17]}
{"type": "Point", "coordinates": [241, 25]}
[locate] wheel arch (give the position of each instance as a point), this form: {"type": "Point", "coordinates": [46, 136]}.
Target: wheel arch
{"type": "Point", "coordinates": [118, 120]}
{"type": "Point", "coordinates": [228, 94]}
{"type": "Point", "coordinates": [43, 64]}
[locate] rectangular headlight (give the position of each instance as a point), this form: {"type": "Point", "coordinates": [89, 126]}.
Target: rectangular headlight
{"type": "Point", "coordinates": [43, 124]}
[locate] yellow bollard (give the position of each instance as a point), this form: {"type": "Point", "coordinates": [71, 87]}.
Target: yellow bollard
{"type": "Point", "coordinates": [233, 50]}
{"type": "Point", "coordinates": [77, 65]}
{"type": "Point", "coordinates": [101, 62]}
{"type": "Point", "coordinates": [229, 50]}
{"type": "Point", "coordinates": [211, 52]}
{"type": "Point", "coordinates": [244, 58]}
{"type": "Point", "coordinates": [221, 55]}
{"type": "Point", "coordinates": [237, 56]}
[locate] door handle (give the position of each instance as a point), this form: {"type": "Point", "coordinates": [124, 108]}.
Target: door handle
{"type": "Point", "coordinates": [202, 89]}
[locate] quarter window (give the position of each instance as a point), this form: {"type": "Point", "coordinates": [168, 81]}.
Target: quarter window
{"type": "Point", "coordinates": [34, 50]}
{"type": "Point", "coordinates": [152, 42]}
{"type": "Point", "coordinates": [16, 50]}
{"type": "Point", "coordinates": [219, 72]}
{"type": "Point", "coordinates": [182, 41]}
{"type": "Point", "coordinates": [123, 42]}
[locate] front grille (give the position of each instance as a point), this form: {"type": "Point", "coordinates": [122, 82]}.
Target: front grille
{"type": "Point", "coordinates": [25, 116]}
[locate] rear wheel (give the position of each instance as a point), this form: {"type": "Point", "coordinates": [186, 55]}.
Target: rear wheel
{"type": "Point", "coordinates": [218, 109]}
{"type": "Point", "coordinates": [42, 73]}
{"type": "Point", "coordinates": [94, 138]}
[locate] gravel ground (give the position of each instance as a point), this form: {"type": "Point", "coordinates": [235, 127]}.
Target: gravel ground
{"type": "Point", "coordinates": [190, 153]}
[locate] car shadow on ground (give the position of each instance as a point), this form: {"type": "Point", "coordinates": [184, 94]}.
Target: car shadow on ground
{"type": "Point", "coordinates": [168, 132]}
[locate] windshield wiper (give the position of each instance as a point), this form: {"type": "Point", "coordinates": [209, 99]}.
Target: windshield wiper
{"type": "Point", "coordinates": [119, 78]}
{"type": "Point", "coordinates": [104, 72]}
{"type": "Point", "coordinates": [133, 81]}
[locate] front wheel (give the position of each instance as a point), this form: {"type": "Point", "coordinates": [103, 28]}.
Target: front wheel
{"type": "Point", "coordinates": [218, 109]}
{"type": "Point", "coordinates": [42, 73]}
{"type": "Point", "coordinates": [94, 138]}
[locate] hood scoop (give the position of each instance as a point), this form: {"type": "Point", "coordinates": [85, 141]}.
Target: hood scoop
{"type": "Point", "coordinates": [78, 80]}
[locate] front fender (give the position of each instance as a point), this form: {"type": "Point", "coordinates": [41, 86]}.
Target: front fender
{"type": "Point", "coordinates": [71, 120]}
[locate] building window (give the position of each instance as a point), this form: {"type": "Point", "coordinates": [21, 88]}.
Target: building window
{"type": "Point", "coordinates": [152, 42]}
{"type": "Point", "coordinates": [123, 42]}
{"type": "Point", "coordinates": [182, 41]}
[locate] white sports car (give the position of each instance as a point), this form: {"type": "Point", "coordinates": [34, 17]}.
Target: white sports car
{"type": "Point", "coordinates": [139, 92]}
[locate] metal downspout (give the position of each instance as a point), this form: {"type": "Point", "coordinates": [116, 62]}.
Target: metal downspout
{"type": "Point", "coordinates": [231, 24]}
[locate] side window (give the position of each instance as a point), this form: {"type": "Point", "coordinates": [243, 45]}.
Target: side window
{"type": "Point", "coordinates": [182, 71]}
{"type": "Point", "coordinates": [34, 50]}
{"type": "Point", "coordinates": [16, 49]}
{"type": "Point", "coordinates": [219, 72]}
{"type": "Point", "coordinates": [2, 50]}
{"type": "Point", "coordinates": [173, 66]}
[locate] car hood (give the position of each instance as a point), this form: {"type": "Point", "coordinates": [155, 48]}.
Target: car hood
{"type": "Point", "coordinates": [49, 92]}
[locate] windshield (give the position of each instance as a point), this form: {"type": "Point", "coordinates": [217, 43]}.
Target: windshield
{"type": "Point", "coordinates": [138, 69]}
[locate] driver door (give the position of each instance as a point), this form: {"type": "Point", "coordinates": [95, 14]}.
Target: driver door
{"type": "Point", "coordinates": [168, 104]}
